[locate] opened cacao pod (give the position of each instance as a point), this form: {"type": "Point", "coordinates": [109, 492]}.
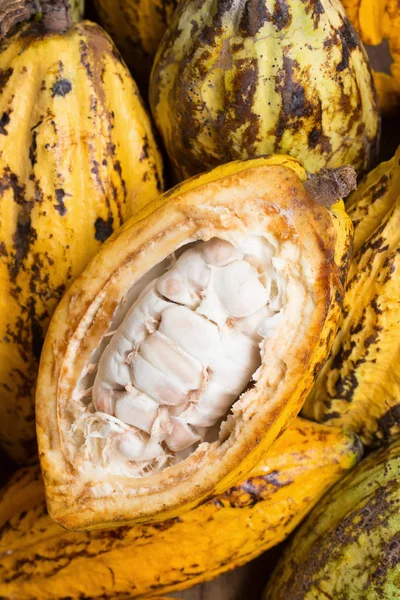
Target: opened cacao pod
{"type": "Point", "coordinates": [77, 157]}
{"type": "Point", "coordinates": [39, 559]}
{"type": "Point", "coordinates": [233, 80]}
{"type": "Point", "coordinates": [190, 342]}
{"type": "Point", "coordinates": [378, 22]}
{"type": "Point", "coordinates": [137, 27]}
{"type": "Point", "coordinates": [348, 548]}
{"type": "Point", "coordinates": [359, 386]}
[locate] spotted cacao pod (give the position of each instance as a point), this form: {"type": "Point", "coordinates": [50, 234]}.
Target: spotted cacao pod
{"type": "Point", "coordinates": [235, 79]}
{"type": "Point", "coordinates": [378, 23]}
{"type": "Point", "coordinates": [77, 158]}
{"type": "Point", "coordinates": [359, 386]}
{"type": "Point", "coordinates": [137, 28]}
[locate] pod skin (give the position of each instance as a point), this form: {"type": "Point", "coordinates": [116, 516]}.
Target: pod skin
{"type": "Point", "coordinates": [359, 386]}
{"type": "Point", "coordinates": [264, 195]}
{"type": "Point", "coordinates": [232, 80]}
{"type": "Point", "coordinates": [77, 158]}
{"type": "Point", "coordinates": [348, 548]}
{"type": "Point", "coordinates": [137, 27]}
{"type": "Point", "coordinates": [40, 559]}
{"type": "Point", "coordinates": [378, 23]}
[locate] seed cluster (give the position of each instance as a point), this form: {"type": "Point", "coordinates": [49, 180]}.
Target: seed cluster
{"type": "Point", "coordinates": [187, 348]}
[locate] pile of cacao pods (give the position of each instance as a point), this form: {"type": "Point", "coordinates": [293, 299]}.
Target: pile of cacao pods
{"type": "Point", "coordinates": [190, 375]}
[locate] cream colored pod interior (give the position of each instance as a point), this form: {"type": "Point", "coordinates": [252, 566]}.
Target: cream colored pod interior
{"type": "Point", "coordinates": [189, 343]}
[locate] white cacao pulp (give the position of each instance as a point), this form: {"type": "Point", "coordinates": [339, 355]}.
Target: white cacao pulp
{"type": "Point", "coordinates": [183, 354]}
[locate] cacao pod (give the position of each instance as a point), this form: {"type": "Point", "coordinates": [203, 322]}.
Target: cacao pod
{"type": "Point", "coordinates": [77, 157]}
{"type": "Point", "coordinates": [239, 79]}
{"type": "Point", "coordinates": [359, 386]}
{"type": "Point", "coordinates": [348, 548]}
{"type": "Point", "coordinates": [224, 293]}
{"type": "Point", "coordinates": [39, 559]}
{"type": "Point", "coordinates": [137, 27]}
{"type": "Point", "coordinates": [378, 23]}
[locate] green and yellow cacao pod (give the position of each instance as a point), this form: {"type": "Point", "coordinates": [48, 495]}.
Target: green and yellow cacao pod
{"type": "Point", "coordinates": [237, 80]}
{"type": "Point", "coordinates": [77, 158]}
{"type": "Point", "coordinates": [378, 23]}
{"type": "Point", "coordinates": [137, 27]}
{"type": "Point", "coordinates": [359, 386]}
{"type": "Point", "coordinates": [104, 468]}
{"type": "Point", "coordinates": [348, 548]}
{"type": "Point", "coordinates": [41, 560]}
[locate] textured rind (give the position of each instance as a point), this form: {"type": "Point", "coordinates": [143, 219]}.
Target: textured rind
{"type": "Point", "coordinates": [137, 27]}
{"type": "Point", "coordinates": [378, 23]}
{"type": "Point", "coordinates": [39, 559]}
{"type": "Point", "coordinates": [359, 386]}
{"type": "Point", "coordinates": [77, 158]}
{"type": "Point", "coordinates": [198, 209]}
{"type": "Point", "coordinates": [349, 546]}
{"type": "Point", "coordinates": [232, 80]}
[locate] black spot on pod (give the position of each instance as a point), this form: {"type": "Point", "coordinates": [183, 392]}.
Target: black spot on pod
{"type": "Point", "coordinates": [4, 121]}
{"type": "Point", "coordinates": [103, 229]}
{"type": "Point", "coordinates": [23, 237]}
{"type": "Point", "coordinates": [350, 41]}
{"type": "Point", "coordinates": [5, 76]}
{"type": "Point", "coordinates": [60, 206]}
{"type": "Point", "coordinates": [62, 87]}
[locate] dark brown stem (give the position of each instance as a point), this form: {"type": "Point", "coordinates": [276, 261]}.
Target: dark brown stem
{"type": "Point", "coordinates": [13, 12]}
{"type": "Point", "coordinates": [330, 185]}
{"type": "Point", "coordinates": [56, 15]}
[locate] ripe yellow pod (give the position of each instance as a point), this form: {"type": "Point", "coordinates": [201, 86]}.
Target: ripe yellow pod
{"type": "Point", "coordinates": [41, 560]}
{"type": "Point", "coordinates": [378, 23]}
{"type": "Point", "coordinates": [77, 158]}
{"type": "Point", "coordinates": [137, 27]}
{"type": "Point", "coordinates": [359, 386]}
{"type": "Point", "coordinates": [190, 342]}
{"type": "Point", "coordinates": [233, 80]}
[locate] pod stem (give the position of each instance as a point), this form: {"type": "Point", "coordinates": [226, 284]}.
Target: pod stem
{"type": "Point", "coordinates": [56, 15]}
{"type": "Point", "coordinates": [330, 185]}
{"type": "Point", "coordinates": [13, 12]}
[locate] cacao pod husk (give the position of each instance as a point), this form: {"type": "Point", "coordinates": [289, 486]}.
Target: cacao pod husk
{"type": "Point", "coordinates": [378, 23]}
{"type": "Point", "coordinates": [77, 158]}
{"type": "Point", "coordinates": [233, 80]}
{"type": "Point", "coordinates": [41, 560]}
{"type": "Point", "coordinates": [349, 545]}
{"type": "Point", "coordinates": [137, 28]}
{"type": "Point", "coordinates": [310, 245]}
{"type": "Point", "coordinates": [359, 386]}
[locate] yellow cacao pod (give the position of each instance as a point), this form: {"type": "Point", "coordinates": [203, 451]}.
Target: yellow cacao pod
{"type": "Point", "coordinates": [378, 23]}
{"type": "Point", "coordinates": [190, 342]}
{"type": "Point", "coordinates": [137, 27]}
{"type": "Point", "coordinates": [236, 80]}
{"type": "Point", "coordinates": [41, 560]}
{"type": "Point", "coordinates": [359, 386]}
{"type": "Point", "coordinates": [77, 158]}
